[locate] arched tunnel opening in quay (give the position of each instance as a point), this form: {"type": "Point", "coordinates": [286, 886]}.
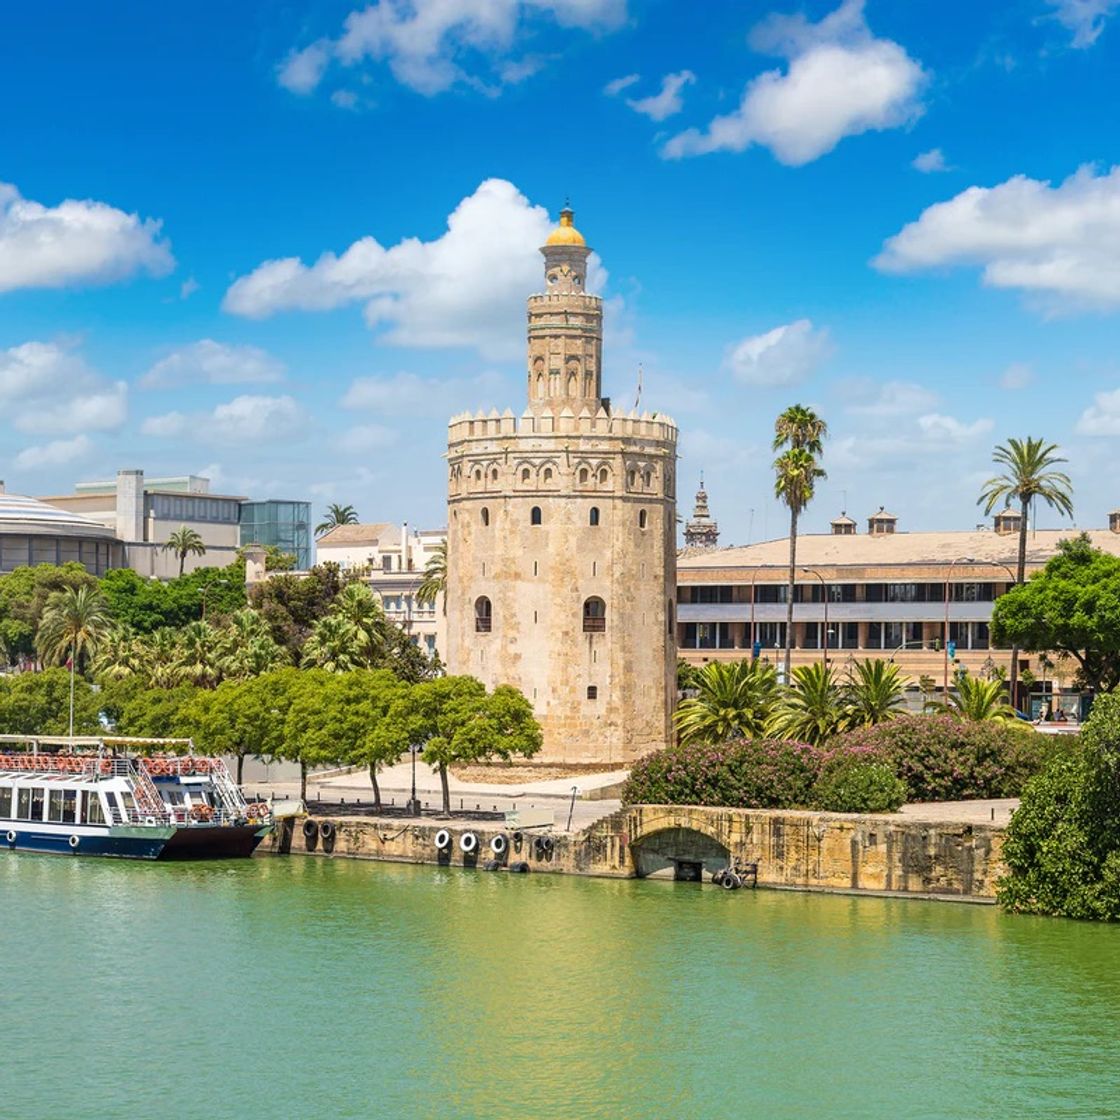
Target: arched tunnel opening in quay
{"type": "Point", "coordinates": [684, 854]}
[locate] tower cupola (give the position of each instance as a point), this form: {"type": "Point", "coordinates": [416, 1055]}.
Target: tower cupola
{"type": "Point", "coordinates": [701, 530]}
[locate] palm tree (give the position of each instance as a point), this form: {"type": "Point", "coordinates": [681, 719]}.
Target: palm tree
{"type": "Point", "coordinates": [875, 692]}
{"type": "Point", "coordinates": [118, 655]}
{"type": "Point", "coordinates": [1027, 475]}
{"type": "Point", "coordinates": [795, 475]}
{"type": "Point", "coordinates": [980, 700]}
{"type": "Point", "coordinates": [336, 515]}
{"type": "Point", "coordinates": [811, 709]}
{"type": "Point", "coordinates": [184, 542]}
{"type": "Point", "coordinates": [799, 427]}
{"type": "Point", "coordinates": [335, 644]}
{"type": "Point", "coordinates": [434, 583]}
{"type": "Point", "coordinates": [359, 606]}
{"type": "Point", "coordinates": [733, 699]}
{"type": "Point", "coordinates": [75, 621]}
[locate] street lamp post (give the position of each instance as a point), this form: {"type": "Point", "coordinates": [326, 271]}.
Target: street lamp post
{"type": "Point", "coordinates": [824, 599]}
{"type": "Point", "coordinates": [205, 590]}
{"type": "Point", "coordinates": [412, 809]}
{"type": "Point", "coordinates": [945, 634]}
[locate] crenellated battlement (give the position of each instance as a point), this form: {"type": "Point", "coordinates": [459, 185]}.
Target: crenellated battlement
{"type": "Point", "coordinates": [562, 297]}
{"type": "Point", "coordinates": [631, 425]}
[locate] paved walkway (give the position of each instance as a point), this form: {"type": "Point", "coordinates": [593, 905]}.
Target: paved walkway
{"type": "Point", "coordinates": [993, 811]}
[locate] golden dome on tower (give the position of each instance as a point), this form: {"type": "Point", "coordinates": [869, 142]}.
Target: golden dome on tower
{"type": "Point", "coordinates": [566, 233]}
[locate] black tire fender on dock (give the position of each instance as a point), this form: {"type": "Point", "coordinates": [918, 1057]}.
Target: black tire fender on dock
{"type": "Point", "coordinates": [443, 839]}
{"type": "Point", "coordinates": [519, 868]}
{"type": "Point", "coordinates": [326, 830]}
{"type": "Point", "coordinates": [730, 881]}
{"type": "Point", "coordinates": [310, 828]}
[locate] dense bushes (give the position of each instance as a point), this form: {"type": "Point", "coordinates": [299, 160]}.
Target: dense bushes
{"type": "Point", "coordinates": [945, 759]}
{"type": "Point", "coordinates": [871, 770]}
{"type": "Point", "coordinates": [1063, 843]}
{"type": "Point", "coordinates": [743, 773]}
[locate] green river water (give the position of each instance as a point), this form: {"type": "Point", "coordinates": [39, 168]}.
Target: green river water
{"type": "Point", "coordinates": [310, 988]}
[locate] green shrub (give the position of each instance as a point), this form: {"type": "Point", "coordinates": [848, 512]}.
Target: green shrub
{"type": "Point", "coordinates": [858, 782]}
{"type": "Point", "coordinates": [1062, 848]}
{"type": "Point", "coordinates": [743, 773]}
{"type": "Point", "coordinates": [945, 759]}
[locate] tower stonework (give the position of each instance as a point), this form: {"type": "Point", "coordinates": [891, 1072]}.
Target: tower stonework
{"type": "Point", "coordinates": [701, 530]}
{"type": "Point", "coordinates": [561, 555]}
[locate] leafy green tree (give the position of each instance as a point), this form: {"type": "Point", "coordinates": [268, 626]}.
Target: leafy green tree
{"type": "Point", "coordinates": [1062, 847]}
{"type": "Point", "coordinates": [292, 604]}
{"type": "Point", "coordinates": [434, 583]}
{"type": "Point", "coordinates": [734, 699]}
{"type": "Point", "coordinates": [336, 515]}
{"type": "Point", "coordinates": [980, 700]}
{"type": "Point", "coordinates": [305, 740]}
{"type": "Point", "coordinates": [184, 542]}
{"type": "Point", "coordinates": [147, 605]}
{"type": "Point", "coordinates": [334, 645]}
{"type": "Point", "coordinates": [874, 694]}
{"type": "Point", "coordinates": [39, 704]}
{"type": "Point", "coordinates": [1072, 606]}
{"type": "Point", "coordinates": [811, 709]}
{"type": "Point", "coordinates": [75, 621]}
{"type": "Point", "coordinates": [23, 597]}
{"type": "Point", "coordinates": [458, 722]}
{"type": "Point", "coordinates": [156, 713]}
{"type": "Point", "coordinates": [1027, 474]}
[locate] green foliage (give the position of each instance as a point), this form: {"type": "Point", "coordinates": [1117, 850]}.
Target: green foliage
{"type": "Point", "coordinates": [184, 542]}
{"type": "Point", "coordinates": [292, 604]}
{"type": "Point", "coordinates": [336, 515]}
{"type": "Point", "coordinates": [945, 759]}
{"type": "Point", "coordinates": [745, 773]}
{"type": "Point", "coordinates": [980, 700]}
{"type": "Point", "coordinates": [75, 621]}
{"type": "Point", "coordinates": [154, 713]}
{"type": "Point", "coordinates": [874, 693]}
{"type": "Point", "coordinates": [1062, 847]}
{"type": "Point", "coordinates": [434, 583]}
{"type": "Point", "coordinates": [23, 597]}
{"type": "Point", "coordinates": [857, 782]}
{"type": "Point", "coordinates": [145, 605]}
{"type": "Point", "coordinates": [1072, 606]}
{"type": "Point", "coordinates": [811, 709]}
{"type": "Point", "coordinates": [799, 427]}
{"type": "Point", "coordinates": [734, 698]}
{"type": "Point", "coordinates": [38, 704]}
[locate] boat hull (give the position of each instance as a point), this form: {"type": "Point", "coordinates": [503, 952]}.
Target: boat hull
{"type": "Point", "coordinates": [217, 842]}
{"type": "Point", "coordinates": [113, 843]}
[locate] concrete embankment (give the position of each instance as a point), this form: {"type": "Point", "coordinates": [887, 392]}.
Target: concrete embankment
{"type": "Point", "coordinates": [891, 854]}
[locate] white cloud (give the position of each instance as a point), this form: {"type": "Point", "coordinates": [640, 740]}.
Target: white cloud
{"type": "Point", "coordinates": [841, 81]}
{"type": "Point", "coordinates": [367, 437]}
{"type": "Point", "coordinates": [465, 288]}
{"type": "Point", "coordinates": [245, 419]}
{"type": "Point", "coordinates": [893, 398]}
{"type": "Point", "coordinates": [432, 45]}
{"type": "Point", "coordinates": [931, 436]}
{"type": "Point", "coordinates": [1018, 375]}
{"type": "Point", "coordinates": [302, 70]}
{"type": "Point", "coordinates": [949, 431]}
{"type": "Point", "coordinates": [668, 101]}
{"type": "Point", "coordinates": [1085, 18]}
{"type": "Point", "coordinates": [406, 394]}
{"type": "Point", "coordinates": [1060, 243]}
{"type": "Point", "coordinates": [1102, 417]}
{"type": "Point", "coordinates": [188, 287]}
{"type": "Point", "coordinates": [929, 162]}
{"type": "Point", "coordinates": [213, 363]}
{"type": "Point", "coordinates": [75, 242]}
{"type": "Point", "coordinates": [54, 454]}
{"type": "Point", "coordinates": [613, 89]}
{"type": "Point", "coordinates": [47, 388]}
{"type": "Point", "coordinates": [785, 355]}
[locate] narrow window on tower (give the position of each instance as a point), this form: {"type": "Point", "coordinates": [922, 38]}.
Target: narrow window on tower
{"type": "Point", "coordinates": [524, 474]}
{"type": "Point", "coordinates": [548, 474]}
{"type": "Point", "coordinates": [641, 519]}
{"type": "Point", "coordinates": [535, 515]}
{"type": "Point", "coordinates": [535, 567]}
{"type": "Point", "coordinates": [583, 476]}
{"type": "Point", "coordinates": [593, 517]}
{"type": "Point", "coordinates": [483, 615]}
{"type": "Point", "coordinates": [604, 477]}
{"type": "Point", "coordinates": [485, 516]}
{"type": "Point", "coordinates": [592, 692]}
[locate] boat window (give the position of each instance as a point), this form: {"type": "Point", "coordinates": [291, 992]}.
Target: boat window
{"type": "Point", "coordinates": [5, 802]}
{"type": "Point", "coordinates": [29, 804]}
{"type": "Point", "coordinates": [62, 806]}
{"type": "Point", "coordinates": [128, 801]}
{"type": "Point", "coordinates": [92, 812]}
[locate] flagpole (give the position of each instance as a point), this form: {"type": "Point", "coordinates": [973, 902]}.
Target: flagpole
{"type": "Point", "coordinates": [71, 691]}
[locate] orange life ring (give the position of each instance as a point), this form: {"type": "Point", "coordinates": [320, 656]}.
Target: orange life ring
{"type": "Point", "coordinates": [202, 765]}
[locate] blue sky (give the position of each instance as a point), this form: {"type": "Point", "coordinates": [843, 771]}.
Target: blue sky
{"type": "Point", "coordinates": [280, 243]}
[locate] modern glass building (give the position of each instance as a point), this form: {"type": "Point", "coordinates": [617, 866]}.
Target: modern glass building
{"type": "Point", "coordinates": [287, 525]}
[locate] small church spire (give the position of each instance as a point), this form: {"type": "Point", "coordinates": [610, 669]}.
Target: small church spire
{"type": "Point", "coordinates": [701, 530]}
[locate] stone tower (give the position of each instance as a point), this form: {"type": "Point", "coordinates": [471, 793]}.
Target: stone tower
{"type": "Point", "coordinates": [561, 538]}
{"type": "Point", "coordinates": [701, 530]}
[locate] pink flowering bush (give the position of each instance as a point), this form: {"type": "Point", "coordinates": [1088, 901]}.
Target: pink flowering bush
{"type": "Point", "coordinates": [941, 758]}
{"type": "Point", "coordinates": [742, 773]}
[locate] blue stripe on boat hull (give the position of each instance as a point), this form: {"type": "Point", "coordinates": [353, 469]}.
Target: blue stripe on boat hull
{"type": "Point", "coordinates": [54, 843]}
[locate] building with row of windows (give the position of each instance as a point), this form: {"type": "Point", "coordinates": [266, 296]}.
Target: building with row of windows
{"type": "Point", "coordinates": [142, 513]}
{"type": "Point", "coordinates": [882, 593]}
{"type": "Point", "coordinates": [33, 532]}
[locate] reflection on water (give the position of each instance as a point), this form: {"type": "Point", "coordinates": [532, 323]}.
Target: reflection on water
{"type": "Point", "coordinates": [307, 987]}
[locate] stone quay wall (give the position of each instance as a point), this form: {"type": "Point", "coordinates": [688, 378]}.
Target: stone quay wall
{"type": "Point", "coordinates": [879, 854]}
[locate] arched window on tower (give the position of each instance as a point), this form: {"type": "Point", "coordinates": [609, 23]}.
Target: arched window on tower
{"type": "Point", "coordinates": [584, 475]}
{"type": "Point", "coordinates": [535, 515]}
{"type": "Point", "coordinates": [604, 476]}
{"type": "Point", "coordinates": [594, 615]}
{"type": "Point", "coordinates": [548, 474]}
{"type": "Point", "coordinates": [525, 474]}
{"type": "Point", "coordinates": [483, 615]}
{"type": "Point", "coordinates": [641, 519]}
{"type": "Point", "coordinates": [485, 516]}
{"type": "Point", "coordinates": [593, 516]}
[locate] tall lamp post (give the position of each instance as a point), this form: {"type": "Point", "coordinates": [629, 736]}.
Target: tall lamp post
{"type": "Point", "coordinates": [824, 599]}
{"type": "Point", "coordinates": [1014, 582]}
{"type": "Point", "coordinates": [412, 809]}
{"type": "Point", "coordinates": [205, 590]}
{"type": "Point", "coordinates": [945, 634]}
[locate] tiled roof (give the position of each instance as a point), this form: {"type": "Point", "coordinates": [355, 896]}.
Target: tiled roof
{"type": "Point", "coordinates": [383, 533]}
